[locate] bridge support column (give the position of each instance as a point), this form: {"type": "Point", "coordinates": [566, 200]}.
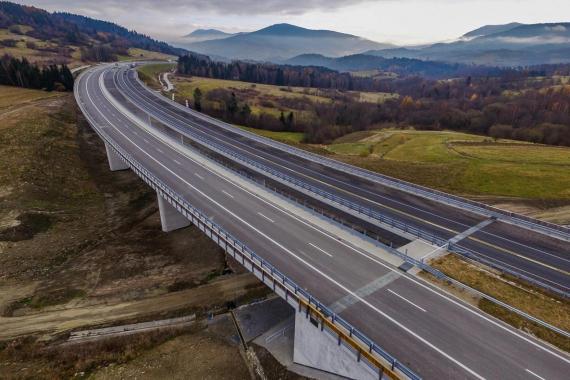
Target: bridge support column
{"type": "Point", "coordinates": [170, 218]}
{"type": "Point", "coordinates": [319, 349]}
{"type": "Point", "coordinates": [115, 162]}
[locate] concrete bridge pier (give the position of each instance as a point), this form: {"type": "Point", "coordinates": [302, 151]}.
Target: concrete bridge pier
{"type": "Point", "coordinates": [115, 162]}
{"type": "Point", "coordinates": [317, 348]}
{"type": "Point", "coordinates": [170, 218]}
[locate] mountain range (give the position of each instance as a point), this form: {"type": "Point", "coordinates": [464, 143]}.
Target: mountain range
{"type": "Point", "coordinates": [497, 45]}
{"type": "Point", "coordinates": [200, 35]}
{"type": "Point", "coordinates": [282, 41]}
{"type": "Point", "coordinates": [400, 66]}
{"type": "Point", "coordinates": [512, 44]}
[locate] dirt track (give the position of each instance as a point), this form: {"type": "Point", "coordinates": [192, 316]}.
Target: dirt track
{"type": "Point", "coordinates": [67, 318]}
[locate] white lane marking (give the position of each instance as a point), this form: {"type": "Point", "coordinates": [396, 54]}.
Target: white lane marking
{"type": "Point", "coordinates": [228, 194]}
{"type": "Point", "coordinates": [305, 262]}
{"type": "Point", "coordinates": [405, 299]}
{"type": "Point", "coordinates": [160, 150]}
{"type": "Point", "coordinates": [177, 162]}
{"type": "Point", "coordinates": [532, 373]}
{"type": "Point", "coordinates": [263, 216]}
{"type": "Point", "coordinates": [136, 133]}
{"type": "Point", "coordinates": [146, 141]}
{"type": "Point", "coordinates": [199, 176]}
{"type": "Point", "coordinates": [322, 250]}
{"type": "Point", "coordinates": [441, 293]}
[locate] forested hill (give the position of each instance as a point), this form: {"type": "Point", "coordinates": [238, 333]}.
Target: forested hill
{"type": "Point", "coordinates": [135, 39]}
{"type": "Point", "coordinates": [68, 29]}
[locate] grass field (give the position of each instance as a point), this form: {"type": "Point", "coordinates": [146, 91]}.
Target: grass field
{"type": "Point", "coordinates": [456, 162]}
{"type": "Point", "coordinates": [462, 163]}
{"type": "Point", "coordinates": [149, 73]}
{"type": "Point", "coordinates": [135, 53]}
{"type": "Point", "coordinates": [14, 96]}
{"type": "Point", "coordinates": [285, 137]}
{"type": "Point", "coordinates": [264, 98]}
{"type": "Point", "coordinates": [260, 97]}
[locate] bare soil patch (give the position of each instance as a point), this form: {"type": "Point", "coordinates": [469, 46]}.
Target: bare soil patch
{"type": "Point", "coordinates": [84, 234]}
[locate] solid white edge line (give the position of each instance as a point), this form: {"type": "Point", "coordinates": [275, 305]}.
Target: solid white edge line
{"type": "Point", "coordinates": [407, 300]}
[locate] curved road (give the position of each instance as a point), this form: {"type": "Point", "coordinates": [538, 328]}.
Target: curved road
{"type": "Point", "coordinates": [433, 333]}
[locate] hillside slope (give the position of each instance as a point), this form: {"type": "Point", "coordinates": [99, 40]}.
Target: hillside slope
{"type": "Point", "coordinates": [41, 36]}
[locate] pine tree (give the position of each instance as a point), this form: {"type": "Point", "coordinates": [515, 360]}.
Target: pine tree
{"type": "Point", "coordinates": [197, 99]}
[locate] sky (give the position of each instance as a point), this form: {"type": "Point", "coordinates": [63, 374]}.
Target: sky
{"type": "Point", "coordinates": [404, 22]}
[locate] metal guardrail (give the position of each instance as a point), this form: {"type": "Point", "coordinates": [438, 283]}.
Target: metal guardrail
{"type": "Point", "coordinates": [351, 336]}
{"type": "Point", "coordinates": [439, 196]}
{"type": "Point", "coordinates": [394, 223]}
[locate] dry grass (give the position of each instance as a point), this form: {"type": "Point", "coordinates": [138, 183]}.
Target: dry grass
{"type": "Point", "coordinates": [263, 98]}
{"type": "Point", "coordinates": [31, 358]}
{"type": "Point", "coordinates": [141, 54]}
{"type": "Point", "coordinates": [14, 96]}
{"type": "Point", "coordinates": [65, 218]}
{"type": "Point", "coordinates": [102, 258]}
{"type": "Point", "coordinates": [206, 354]}
{"type": "Point", "coordinates": [37, 55]}
{"type": "Point", "coordinates": [149, 73]}
{"type": "Point", "coordinates": [285, 137]}
{"type": "Point", "coordinates": [529, 299]}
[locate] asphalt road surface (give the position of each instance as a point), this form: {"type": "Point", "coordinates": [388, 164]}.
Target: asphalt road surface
{"type": "Point", "coordinates": [434, 334]}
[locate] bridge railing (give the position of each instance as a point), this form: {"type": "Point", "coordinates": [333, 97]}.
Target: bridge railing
{"type": "Point", "coordinates": [377, 358]}
{"type": "Point", "coordinates": [439, 196]}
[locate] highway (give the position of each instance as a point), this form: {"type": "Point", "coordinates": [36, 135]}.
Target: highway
{"type": "Point", "coordinates": [433, 333]}
{"type": "Point", "coordinates": [530, 253]}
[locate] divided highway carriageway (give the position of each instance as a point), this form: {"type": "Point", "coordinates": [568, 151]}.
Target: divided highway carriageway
{"type": "Point", "coordinates": [434, 334]}
{"type": "Point", "coordinates": [539, 256]}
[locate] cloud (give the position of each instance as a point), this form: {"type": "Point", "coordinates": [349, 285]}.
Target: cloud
{"type": "Point", "coordinates": [535, 40]}
{"type": "Point", "coordinates": [557, 28]}
{"type": "Point", "coordinates": [224, 7]}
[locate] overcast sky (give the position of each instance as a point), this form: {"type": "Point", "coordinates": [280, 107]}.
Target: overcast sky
{"type": "Point", "coordinates": [397, 21]}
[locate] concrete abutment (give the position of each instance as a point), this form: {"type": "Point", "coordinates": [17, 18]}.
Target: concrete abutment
{"type": "Point", "coordinates": [317, 348]}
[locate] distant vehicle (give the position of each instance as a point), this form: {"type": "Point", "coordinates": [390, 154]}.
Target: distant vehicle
{"type": "Point", "coordinates": [133, 65]}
